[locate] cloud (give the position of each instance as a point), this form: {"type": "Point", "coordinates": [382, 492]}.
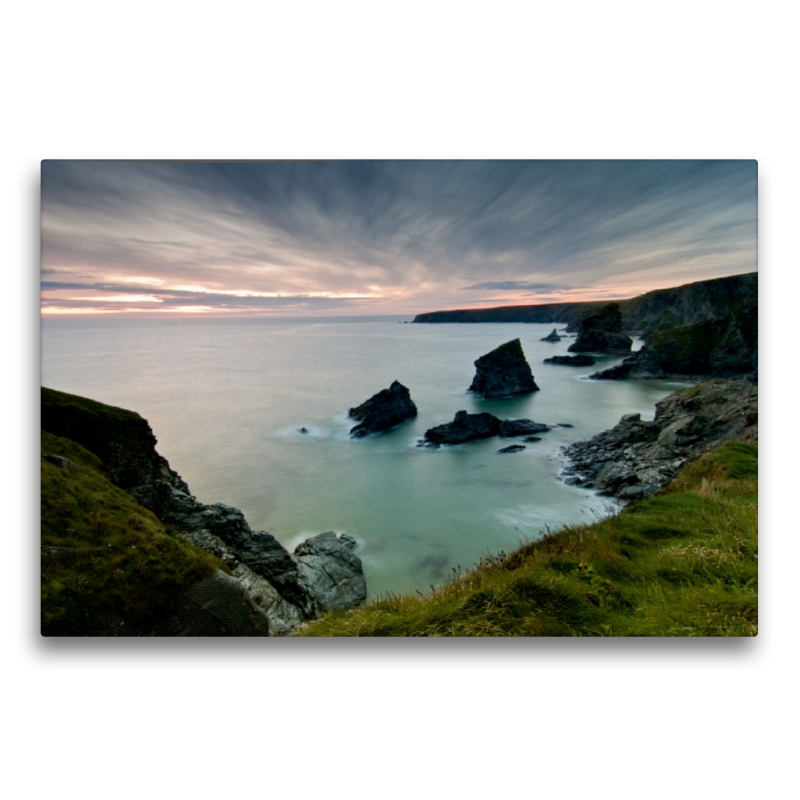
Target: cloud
{"type": "Point", "coordinates": [520, 286]}
{"type": "Point", "coordinates": [405, 232]}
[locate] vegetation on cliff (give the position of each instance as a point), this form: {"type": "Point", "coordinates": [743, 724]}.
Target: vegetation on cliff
{"type": "Point", "coordinates": [683, 563]}
{"type": "Point", "coordinates": [105, 558]}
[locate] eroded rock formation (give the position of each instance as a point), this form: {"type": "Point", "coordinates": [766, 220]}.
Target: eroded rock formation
{"type": "Point", "coordinates": [601, 332]}
{"type": "Point", "coordinates": [383, 410]}
{"type": "Point", "coordinates": [503, 372]}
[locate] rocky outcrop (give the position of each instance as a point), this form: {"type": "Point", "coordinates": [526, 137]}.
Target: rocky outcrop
{"type": "Point", "coordinates": [464, 428]}
{"type": "Point", "coordinates": [551, 337]}
{"type": "Point", "coordinates": [572, 361]}
{"type": "Point", "coordinates": [287, 591]}
{"type": "Point", "coordinates": [601, 332]}
{"type": "Point", "coordinates": [470, 427]}
{"type": "Point", "coordinates": [503, 372]}
{"type": "Point", "coordinates": [723, 348]}
{"type": "Point", "coordinates": [637, 457]}
{"type": "Point", "coordinates": [383, 410]}
{"type": "Point", "coordinates": [512, 448]}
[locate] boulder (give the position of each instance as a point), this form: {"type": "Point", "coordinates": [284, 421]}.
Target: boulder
{"type": "Point", "coordinates": [464, 428]}
{"type": "Point", "coordinates": [383, 410]}
{"type": "Point", "coordinates": [503, 372]}
{"type": "Point", "coordinates": [512, 448]}
{"type": "Point", "coordinates": [572, 361]}
{"type": "Point", "coordinates": [521, 427]}
{"type": "Point", "coordinates": [551, 337]}
{"type": "Point", "coordinates": [332, 570]}
{"type": "Point", "coordinates": [601, 332]}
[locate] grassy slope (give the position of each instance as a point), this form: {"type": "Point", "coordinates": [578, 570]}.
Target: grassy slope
{"type": "Point", "coordinates": [118, 557]}
{"type": "Point", "coordinates": [683, 563]}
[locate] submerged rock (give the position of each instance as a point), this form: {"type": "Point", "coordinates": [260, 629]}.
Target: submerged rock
{"type": "Point", "coordinates": [601, 332]}
{"type": "Point", "coordinates": [302, 430]}
{"type": "Point", "coordinates": [503, 372]}
{"type": "Point", "coordinates": [572, 361]}
{"type": "Point", "coordinates": [532, 439]}
{"type": "Point", "coordinates": [512, 448]}
{"type": "Point", "coordinates": [383, 410]}
{"type": "Point", "coordinates": [551, 337]}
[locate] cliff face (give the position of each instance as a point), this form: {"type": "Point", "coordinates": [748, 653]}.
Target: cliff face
{"type": "Point", "coordinates": [688, 304]}
{"type": "Point", "coordinates": [288, 590]}
{"type": "Point", "coordinates": [722, 348]}
{"type": "Point", "coordinates": [662, 308]}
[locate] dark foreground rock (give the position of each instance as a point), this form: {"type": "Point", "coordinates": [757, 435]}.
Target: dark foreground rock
{"type": "Point", "coordinates": [601, 332]}
{"type": "Point", "coordinates": [723, 348]}
{"type": "Point", "coordinates": [572, 361]}
{"type": "Point", "coordinates": [635, 458]}
{"type": "Point", "coordinates": [275, 580]}
{"type": "Point", "coordinates": [383, 410]}
{"type": "Point", "coordinates": [551, 337]}
{"type": "Point", "coordinates": [503, 372]}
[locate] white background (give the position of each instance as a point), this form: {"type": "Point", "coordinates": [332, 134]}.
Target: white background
{"type": "Point", "coordinates": [399, 719]}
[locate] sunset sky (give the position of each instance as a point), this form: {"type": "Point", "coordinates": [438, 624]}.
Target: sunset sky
{"type": "Point", "coordinates": [384, 237]}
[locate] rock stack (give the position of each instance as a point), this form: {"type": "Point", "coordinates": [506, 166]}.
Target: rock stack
{"type": "Point", "coordinates": [503, 373]}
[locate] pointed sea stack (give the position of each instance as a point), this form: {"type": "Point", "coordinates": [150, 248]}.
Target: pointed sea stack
{"type": "Point", "coordinates": [503, 372]}
{"type": "Point", "coordinates": [601, 332]}
{"type": "Point", "coordinates": [553, 337]}
{"type": "Point", "coordinates": [383, 410]}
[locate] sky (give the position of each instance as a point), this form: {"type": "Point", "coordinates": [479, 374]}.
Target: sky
{"type": "Point", "coordinates": [384, 237]}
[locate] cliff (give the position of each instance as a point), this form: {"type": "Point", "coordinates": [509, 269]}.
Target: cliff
{"type": "Point", "coordinates": [662, 308]}
{"type": "Point", "coordinates": [323, 573]}
{"type": "Point", "coordinates": [720, 348]}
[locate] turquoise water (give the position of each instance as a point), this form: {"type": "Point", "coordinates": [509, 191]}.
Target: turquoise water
{"type": "Point", "coordinates": [225, 399]}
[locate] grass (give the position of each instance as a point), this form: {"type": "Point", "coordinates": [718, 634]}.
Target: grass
{"type": "Point", "coordinates": [104, 555]}
{"type": "Point", "coordinates": [683, 563]}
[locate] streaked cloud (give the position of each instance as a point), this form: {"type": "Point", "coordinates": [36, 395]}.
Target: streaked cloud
{"type": "Point", "coordinates": [385, 236]}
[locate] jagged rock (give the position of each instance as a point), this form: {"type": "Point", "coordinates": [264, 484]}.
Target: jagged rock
{"type": "Point", "coordinates": [464, 428]}
{"type": "Point", "coordinates": [636, 458]}
{"type": "Point", "coordinates": [601, 332]}
{"type": "Point", "coordinates": [521, 427]}
{"type": "Point", "coordinates": [332, 571]}
{"type": "Point", "coordinates": [384, 410]}
{"type": "Point", "coordinates": [503, 372]}
{"type": "Point", "coordinates": [551, 337]}
{"type": "Point", "coordinates": [723, 348]}
{"type": "Point", "coordinates": [512, 448]}
{"type": "Point", "coordinates": [572, 361]}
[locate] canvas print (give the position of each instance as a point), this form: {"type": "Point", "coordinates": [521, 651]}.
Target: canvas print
{"type": "Point", "coordinates": [399, 398]}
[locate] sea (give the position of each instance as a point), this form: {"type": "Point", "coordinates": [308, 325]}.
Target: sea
{"type": "Point", "coordinates": [226, 399]}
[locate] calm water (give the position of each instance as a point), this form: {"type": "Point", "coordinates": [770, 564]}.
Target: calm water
{"type": "Point", "coordinates": [225, 399]}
